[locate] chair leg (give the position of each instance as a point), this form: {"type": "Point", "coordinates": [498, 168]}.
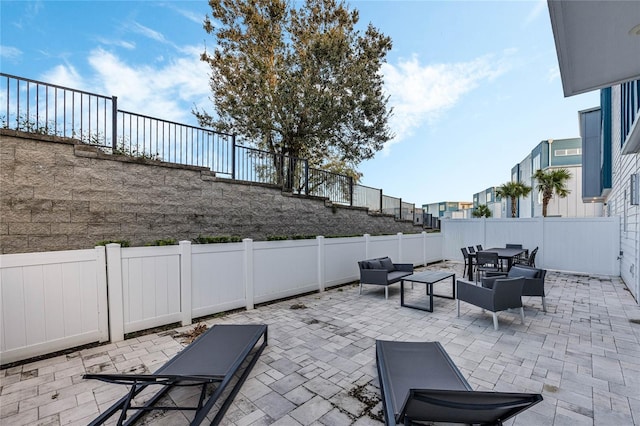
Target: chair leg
{"type": "Point", "coordinates": [495, 320]}
{"type": "Point", "coordinates": [360, 291]}
{"type": "Point", "coordinates": [522, 314]}
{"type": "Point", "coordinates": [458, 307]}
{"type": "Point", "coordinates": [386, 292]}
{"type": "Point", "coordinates": [544, 304]}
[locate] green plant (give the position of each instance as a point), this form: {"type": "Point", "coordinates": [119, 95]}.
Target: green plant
{"type": "Point", "coordinates": [123, 243]}
{"type": "Point", "coordinates": [482, 211]}
{"type": "Point", "coordinates": [513, 190]}
{"type": "Point", "coordinates": [550, 182]}
{"type": "Point", "coordinates": [203, 239]}
{"type": "Point", "coordinates": [164, 242]}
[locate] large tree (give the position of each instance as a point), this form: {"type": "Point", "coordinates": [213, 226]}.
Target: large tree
{"type": "Point", "coordinates": [513, 190]}
{"type": "Point", "coordinates": [301, 82]}
{"type": "Point", "coordinates": [550, 182]}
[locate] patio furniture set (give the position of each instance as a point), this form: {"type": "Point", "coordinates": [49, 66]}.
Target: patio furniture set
{"type": "Point", "coordinates": [418, 380]}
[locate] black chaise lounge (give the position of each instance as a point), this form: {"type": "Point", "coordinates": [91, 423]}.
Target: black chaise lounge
{"type": "Point", "coordinates": [215, 357]}
{"type": "Point", "coordinates": [420, 383]}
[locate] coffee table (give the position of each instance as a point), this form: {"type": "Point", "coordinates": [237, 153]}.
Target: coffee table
{"type": "Point", "coordinates": [429, 278]}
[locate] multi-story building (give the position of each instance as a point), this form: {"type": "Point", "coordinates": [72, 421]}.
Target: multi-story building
{"type": "Point", "coordinates": [447, 209]}
{"type": "Point", "coordinates": [548, 155]}
{"type": "Point", "coordinates": [489, 198]}
{"type": "Point", "coordinates": [598, 47]}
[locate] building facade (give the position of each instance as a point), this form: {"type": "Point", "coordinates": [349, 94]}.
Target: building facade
{"type": "Point", "coordinates": [611, 66]}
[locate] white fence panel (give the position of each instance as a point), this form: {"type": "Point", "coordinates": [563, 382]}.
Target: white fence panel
{"type": "Point", "coordinates": [458, 233]}
{"type": "Point", "coordinates": [433, 247]}
{"type": "Point", "coordinates": [585, 245]}
{"type": "Point", "coordinates": [413, 250]}
{"type": "Point", "coordinates": [525, 231]}
{"type": "Point", "coordinates": [341, 256]}
{"type": "Point", "coordinates": [284, 268]}
{"type": "Point", "coordinates": [217, 278]}
{"type": "Point", "coordinates": [151, 287]}
{"type": "Point", "coordinates": [384, 245]}
{"type": "Point", "coordinates": [51, 301]}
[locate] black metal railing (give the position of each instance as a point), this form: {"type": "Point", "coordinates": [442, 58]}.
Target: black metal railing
{"type": "Point", "coordinates": [37, 107]}
{"type": "Point", "coordinates": [149, 137]}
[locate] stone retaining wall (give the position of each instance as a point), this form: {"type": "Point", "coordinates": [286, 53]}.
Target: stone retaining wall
{"type": "Point", "coordinates": [57, 194]}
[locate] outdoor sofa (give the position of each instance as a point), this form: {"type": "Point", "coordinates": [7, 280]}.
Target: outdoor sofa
{"type": "Point", "coordinates": [382, 271]}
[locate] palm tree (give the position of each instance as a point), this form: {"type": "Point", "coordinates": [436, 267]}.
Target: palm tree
{"type": "Point", "coordinates": [513, 190]}
{"type": "Point", "coordinates": [482, 211]}
{"type": "Point", "coordinates": [550, 182]}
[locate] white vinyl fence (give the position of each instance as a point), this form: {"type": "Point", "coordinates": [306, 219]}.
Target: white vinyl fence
{"type": "Point", "coordinates": [582, 245]}
{"type": "Point", "coordinates": [58, 300]}
{"type": "Point", "coordinates": [51, 301]}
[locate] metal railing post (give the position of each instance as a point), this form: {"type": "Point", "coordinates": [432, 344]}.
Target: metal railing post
{"type": "Point", "coordinates": [351, 191]}
{"type": "Point", "coordinates": [306, 177]}
{"type": "Point", "coordinates": [114, 122]}
{"type": "Point", "coordinates": [233, 156]}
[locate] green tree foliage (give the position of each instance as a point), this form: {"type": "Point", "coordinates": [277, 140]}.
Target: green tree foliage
{"type": "Point", "coordinates": [513, 190]}
{"type": "Point", "coordinates": [299, 82]}
{"type": "Point", "coordinates": [481, 211]}
{"type": "Point", "coordinates": [551, 182]}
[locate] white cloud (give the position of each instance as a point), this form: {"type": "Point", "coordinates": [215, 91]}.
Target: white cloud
{"type": "Point", "coordinates": [553, 74]}
{"type": "Point", "coordinates": [10, 52]}
{"type": "Point", "coordinates": [148, 32]}
{"type": "Point", "coordinates": [419, 93]}
{"type": "Point", "coordinates": [167, 92]}
{"type": "Point", "coordinates": [538, 8]}
{"type": "Point", "coordinates": [129, 45]}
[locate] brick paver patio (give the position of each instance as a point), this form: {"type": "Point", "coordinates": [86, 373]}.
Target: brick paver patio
{"type": "Point", "coordinates": [583, 355]}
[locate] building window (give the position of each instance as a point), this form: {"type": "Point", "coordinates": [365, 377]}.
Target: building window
{"type": "Point", "coordinates": [567, 152]}
{"type": "Point", "coordinates": [536, 163]}
{"type": "Point", "coordinates": [634, 190]}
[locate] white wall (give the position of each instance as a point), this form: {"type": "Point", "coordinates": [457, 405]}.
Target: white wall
{"type": "Point", "coordinates": [618, 203]}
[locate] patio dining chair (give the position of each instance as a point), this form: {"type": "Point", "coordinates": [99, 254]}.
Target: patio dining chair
{"type": "Point", "coordinates": [486, 261]}
{"type": "Point", "coordinates": [467, 259]}
{"type": "Point", "coordinates": [471, 249]}
{"type": "Point", "coordinates": [529, 260]}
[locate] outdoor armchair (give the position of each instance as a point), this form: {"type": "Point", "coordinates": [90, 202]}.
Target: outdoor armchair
{"type": "Point", "coordinates": [533, 280]}
{"type": "Point", "coordinates": [505, 294]}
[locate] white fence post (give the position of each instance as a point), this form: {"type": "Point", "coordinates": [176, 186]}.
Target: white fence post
{"type": "Point", "coordinates": [321, 262]}
{"type": "Point", "coordinates": [103, 302]}
{"type": "Point", "coordinates": [399, 234]}
{"type": "Point", "coordinates": [367, 239]}
{"type": "Point", "coordinates": [115, 292]}
{"type": "Point", "coordinates": [248, 272]}
{"type": "Point", "coordinates": [424, 248]}
{"type": "Point", "coordinates": [185, 282]}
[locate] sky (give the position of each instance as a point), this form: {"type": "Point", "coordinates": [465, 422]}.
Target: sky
{"type": "Point", "coordinates": [474, 85]}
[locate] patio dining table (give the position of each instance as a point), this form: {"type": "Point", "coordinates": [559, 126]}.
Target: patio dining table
{"type": "Point", "coordinates": [507, 254]}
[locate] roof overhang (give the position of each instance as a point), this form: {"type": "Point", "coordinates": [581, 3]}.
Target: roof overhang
{"type": "Point", "coordinates": [597, 42]}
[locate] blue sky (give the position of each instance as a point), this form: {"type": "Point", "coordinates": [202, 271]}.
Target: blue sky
{"type": "Point", "coordinates": [474, 85]}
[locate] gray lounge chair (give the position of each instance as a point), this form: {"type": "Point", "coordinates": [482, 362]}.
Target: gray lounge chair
{"type": "Point", "coordinates": [215, 357]}
{"type": "Point", "coordinates": [420, 383]}
{"type": "Point", "coordinates": [505, 294]}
